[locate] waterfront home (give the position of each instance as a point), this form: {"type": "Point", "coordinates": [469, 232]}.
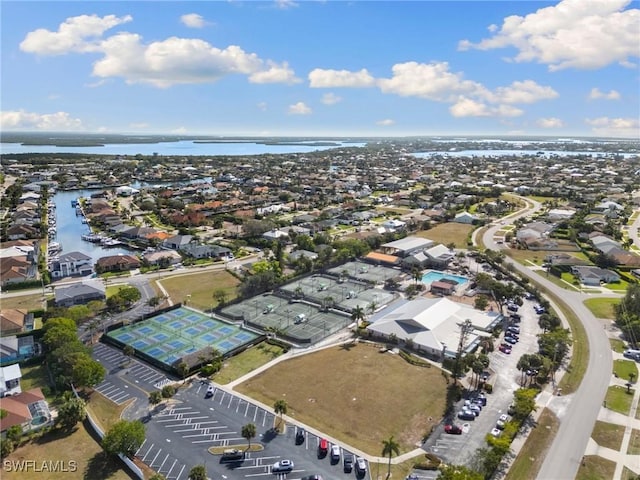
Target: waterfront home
{"type": "Point", "coordinates": [29, 410]}
{"type": "Point", "coordinates": [72, 264]}
{"type": "Point", "coordinates": [14, 320]}
{"type": "Point", "coordinates": [117, 263]}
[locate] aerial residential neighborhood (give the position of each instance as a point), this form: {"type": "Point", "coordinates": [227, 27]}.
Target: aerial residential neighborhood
{"type": "Point", "coordinates": [426, 266]}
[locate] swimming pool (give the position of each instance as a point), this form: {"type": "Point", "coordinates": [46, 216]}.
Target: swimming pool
{"type": "Point", "coordinates": [433, 276]}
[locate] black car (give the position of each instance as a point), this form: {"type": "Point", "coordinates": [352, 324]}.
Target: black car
{"type": "Point", "coordinates": [347, 463]}
{"type": "Point", "coordinates": [300, 434]}
{"type": "Point", "coordinates": [511, 340]}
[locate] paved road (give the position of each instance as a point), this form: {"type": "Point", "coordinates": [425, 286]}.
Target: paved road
{"type": "Point", "coordinates": [566, 452]}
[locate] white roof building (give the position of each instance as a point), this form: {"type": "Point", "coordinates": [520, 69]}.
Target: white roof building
{"type": "Point", "coordinates": [433, 325]}
{"type": "Point", "coordinates": [10, 380]}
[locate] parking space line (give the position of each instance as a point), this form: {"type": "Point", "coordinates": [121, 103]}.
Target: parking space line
{"type": "Point", "coordinates": [173, 465]}
{"type": "Point", "coordinates": [181, 470]}
{"type": "Point", "coordinates": [230, 400]}
{"type": "Point", "coordinates": [154, 458]}
{"type": "Point", "coordinates": [165, 459]}
{"type": "Point", "coordinates": [145, 455]}
{"type": "Point", "coordinates": [255, 414]}
{"type": "Point", "coordinates": [143, 444]}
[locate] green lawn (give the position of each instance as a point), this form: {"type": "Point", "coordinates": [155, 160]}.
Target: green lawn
{"type": "Point", "coordinates": [34, 376]}
{"type": "Point", "coordinates": [24, 302]}
{"type": "Point", "coordinates": [247, 361]}
{"type": "Point", "coordinates": [617, 345]}
{"type": "Point", "coordinates": [620, 286]}
{"type": "Point", "coordinates": [608, 435]}
{"type": "Point", "coordinates": [602, 307]}
{"type": "Point", "coordinates": [623, 368]}
{"type": "Point", "coordinates": [618, 400]}
{"type": "Point", "coordinates": [200, 286]}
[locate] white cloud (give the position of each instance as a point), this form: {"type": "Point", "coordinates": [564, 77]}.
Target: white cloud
{"type": "Point", "coordinates": [76, 34]}
{"type": "Point", "coordinates": [387, 122]}
{"type": "Point", "coordinates": [299, 108]}
{"type": "Point", "coordinates": [432, 81]}
{"type": "Point", "coordinates": [275, 74]}
{"type": "Point", "coordinates": [331, 98]}
{"type": "Point", "coordinates": [468, 107]}
{"type": "Point", "coordinates": [262, 106]}
{"type": "Point", "coordinates": [139, 125]}
{"type": "Point", "coordinates": [583, 34]}
{"type": "Point", "coordinates": [193, 20]}
{"type": "Point", "coordinates": [526, 91]}
{"type": "Point", "coordinates": [551, 122]}
{"type": "Point", "coordinates": [321, 78]}
{"type": "Point", "coordinates": [596, 94]}
{"type": "Point", "coordinates": [41, 121]}
{"type": "Point", "coordinates": [179, 131]}
{"type": "Point", "coordinates": [161, 63]}
{"type": "Point", "coordinates": [615, 127]}
{"type": "Point", "coordinates": [285, 4]}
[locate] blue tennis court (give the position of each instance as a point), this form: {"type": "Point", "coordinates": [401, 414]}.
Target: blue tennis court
{"type": "Point", "coordinates": [171, 335]}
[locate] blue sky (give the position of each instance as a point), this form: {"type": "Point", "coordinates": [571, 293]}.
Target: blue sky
{"type": "Point", "coordinates": [322, 68]}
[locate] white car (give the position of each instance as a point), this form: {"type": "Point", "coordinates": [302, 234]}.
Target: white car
{"type": "Point", "coordinates": [361, 466]}
{"type": "Point", "coordinates": [335, 453]}
{"type": "Point", "coordinates": [282, 466]}
{"type": "Point", "coordinates": [496, 432]}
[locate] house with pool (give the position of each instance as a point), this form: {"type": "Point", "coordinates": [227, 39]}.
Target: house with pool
{"type": "Point", "coordinates": [431, 326]}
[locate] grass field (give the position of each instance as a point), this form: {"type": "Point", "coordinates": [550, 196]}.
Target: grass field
{"type": "Point", "coordinates": [596, 468]}
{"type": "Point", "coordinates": [200, 286]}
{"type": "Point", "coordinates": [628, 474]}
{"type": "Point", "coordinates": [446, 233]}
{"type": "Point", "coordinates": [608, 435]}
{"type": "Point", "coordinates": [618, 400]}
{"type": "Point", "coordinates": [34, 376]}
{"type": "Point", "coordinates": [617, 345]}
{"type": "Point", "coordinates": [634, 443]}
{"type": "Point", "coordinates": [529, 461]}
{"type": "Point", "coordinates": [247, 361]}
{"type": "Point", "coordinates": [349, 392]}
{"type": "Point", "coordinates": [103, 410]}
{"type": "Point", "coordinates": [78, 446]}
{"type": "Point", "coordinates": [623, 368]}
{"type": "Point", "coordinates": [24, 302]}
{"type": "Point", "coordinates": [602, 307]}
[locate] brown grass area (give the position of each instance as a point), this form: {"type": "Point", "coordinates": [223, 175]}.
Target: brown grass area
{"type": "Point", "coordinates": [531, 456]}
{"type": "Point", "coordinates": [200, 286]}
{"type": "Point", "coordinates": [350, 393]}
{"type": "Point", "coordinates": [596, 468]}
{"type": "Point", "coordinates": [103, 410]}
{"type": "Point", "coordinates": [23, 302]}
{"type": "Point", "coordinates": [64, 447]}
{"type": "Point", "coordinates": [608, 435]}
{"type": "Point", "coordinates": [446, 233]}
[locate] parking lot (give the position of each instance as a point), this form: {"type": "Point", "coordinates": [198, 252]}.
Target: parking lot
{"type": "Point", "coordinates": [179, 435]}
{"type": "Point", "coordinates": [505, 377]}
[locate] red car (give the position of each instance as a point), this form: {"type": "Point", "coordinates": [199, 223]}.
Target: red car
{"type": "Point", "coordinates": [504, 348]}
{"type": "Point", "coordinates": [453, 429]}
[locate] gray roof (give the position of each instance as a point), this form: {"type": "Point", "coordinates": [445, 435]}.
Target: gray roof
{"type": "Point", "coordinates": [73, 257]}
{"type": "Point", "coordinates": [409, 243]}
{"type": "Point", "coordinates": [78, 289]}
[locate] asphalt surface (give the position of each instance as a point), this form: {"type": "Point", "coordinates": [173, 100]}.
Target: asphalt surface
{"type": "Point", "coordinates": [565, 455]}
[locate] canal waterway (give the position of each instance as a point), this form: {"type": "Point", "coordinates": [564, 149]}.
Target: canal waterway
{"type": "Point", "coordinates": [70, 227]}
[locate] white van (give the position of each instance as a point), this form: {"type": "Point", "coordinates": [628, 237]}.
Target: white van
{"type": "Point", "coordinates": [630, 353]}
{"type": "Point", "coordinates": [301, 317]}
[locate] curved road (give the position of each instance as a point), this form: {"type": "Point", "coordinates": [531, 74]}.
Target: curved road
{"type": "Point", "coordinates": [576, 423]}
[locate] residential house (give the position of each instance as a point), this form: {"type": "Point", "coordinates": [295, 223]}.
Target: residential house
{"type": "Point", "coordinates": [28, 409]}
{"type": "Point", "coordinates": [594, 276]}
{"type": "Point", "coordinates": [73, 264]}
{"type": "Point", "coordinates": [10, 380]}
{"type": "Point", "coordinates": [406, 246]}
{"type": "Point", "coordinates": [14, 349]}
{"type": "Point", "coordinates": [438, 256]}
{"type": "Point", "coordinates": [22, 232]}
{"type": "Point", "coordinates": [79, 293]}
{"type": "Point", "coordinates": [117, 263]}
{"type": "Point", "coordinates": [13, 320]}
{"type": "Point", "coordinates": [178, 241]}
{"type": "Point", "coordinates": [166, 257]}
{"type": "Point", "coordinates": [465, 217]}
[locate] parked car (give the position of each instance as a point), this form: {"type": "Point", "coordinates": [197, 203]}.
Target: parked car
{"type": "Point", "coordinates": [515, 317]}
{"type": "Point", "coordinates": [513, 329]}
{"type": "Point", "coordinates": [496, 432]}
{"type": "Point", "coordinates": [300, 436]}
{"type": "Point", "coordinates": [453, 429]}
{"type": "Point", "coordinates": [312, 477]}
{"type": "Point", "coordinates": [466, 415]}
{"type": "Point", "coordinates": [232, 455]}
{"type": "Point", "coordinates": [475, 408]}
{"type": "Point", "coordinates": [512, 307]}
{"type": "Point", "coordinates": [511, 340]}
{"type": "Point", "coordinates": [335, 453]}
{"type": "Point", "coordinates": [361, 466]}
{"type": "Point", "coordinates": [323, 447]}
{"type": "Point", "coordinates": [282, 466]}
{"type": "Point", "coordinates": [505, 348]}
{"type": "Point", "coordinates": [502, 421]}
{"type": "Point", "coordinates": [210, 391]}
{"type": "Point", "coordinates": [539, 309]}
{"type": "Point", "coordinates": [347, 463]}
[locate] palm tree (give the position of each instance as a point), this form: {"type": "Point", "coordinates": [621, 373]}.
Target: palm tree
{"type": "Point", "coordinates": [248, 432]}
{"type": "Point", "coordinates": [357, 314]}
{"type": "Point", "coordinates": [280, 407]}
{"type": "Point", "coordinates": [390, 447]}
